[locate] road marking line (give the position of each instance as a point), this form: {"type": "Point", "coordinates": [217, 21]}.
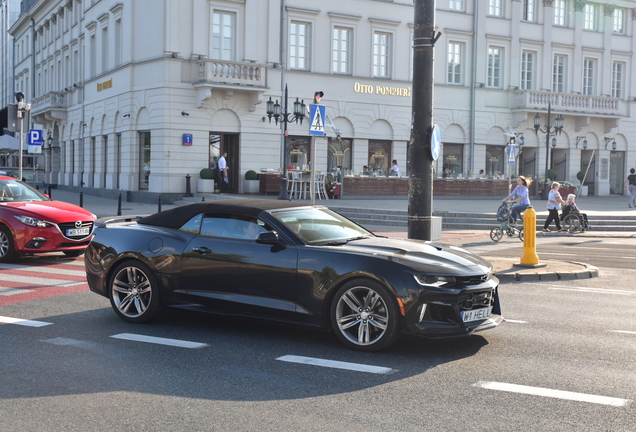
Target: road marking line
{"type": "Point", "coordinates": [33, 280]}
{"type": "Point", "coordinates": [335, 364]}
{"type": "Point", "coordinates": [624, 332]}
{"type": "Point", "coordinates": [160, 341]}
{"type": "Point", "coordinates": [593, 290]}
{"type": "Point", "coordinates": [12, 291]}
{"type": "Point", "coordinates": [42, 269]}
{"type": "Point", "coordinates": [23, 322]}
{"type": "Point", "coordinates": [557, 394]}
{"type": "Point", "coordinates": [515, 321]}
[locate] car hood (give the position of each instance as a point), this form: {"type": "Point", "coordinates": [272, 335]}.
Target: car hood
{"type": "Point", "coordinates": [422, 256]}
{"type": "Point", "coordinates": [51, 211]}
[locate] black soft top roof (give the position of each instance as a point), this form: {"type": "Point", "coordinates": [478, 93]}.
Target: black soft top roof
{"type": "Point", "coordinates": [176, 217]}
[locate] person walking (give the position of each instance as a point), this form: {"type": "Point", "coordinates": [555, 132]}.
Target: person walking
{"type": "Point", "coordinates": [630, 185]}
{"type": "Point", "coordinates": [223, 180]}
{"type": "Point", "coordinates": [520, 196]}
{"type": "Point", "coordinates": [554, 205]}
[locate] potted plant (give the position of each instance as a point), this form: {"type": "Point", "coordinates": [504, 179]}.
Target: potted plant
{"type": "Point", "coordinates": [205, 184]}
{"type": "Point", "coordinates": [251, 183]}
{"type": "Point", "coordinates": [580, 176]}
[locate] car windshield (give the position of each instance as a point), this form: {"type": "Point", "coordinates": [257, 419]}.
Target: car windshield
{"type": "Point", "coordinates": [16, 191]}
{"type": "Point", "coordinates": [321, 226]}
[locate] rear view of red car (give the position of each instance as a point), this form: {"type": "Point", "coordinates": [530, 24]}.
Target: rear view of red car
{"type": "Point", "coordinates": [31, 223]}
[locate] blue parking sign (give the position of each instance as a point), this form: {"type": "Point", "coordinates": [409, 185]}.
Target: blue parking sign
{"type": "Point", "coordinates": [35, 141]}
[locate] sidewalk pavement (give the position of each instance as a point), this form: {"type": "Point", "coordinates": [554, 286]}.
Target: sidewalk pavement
{"type": "Point", "coordinates": [505, 268]}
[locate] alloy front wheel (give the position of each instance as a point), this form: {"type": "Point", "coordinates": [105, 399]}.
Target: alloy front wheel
{"type": "Point", "coordinates": [365, 316]}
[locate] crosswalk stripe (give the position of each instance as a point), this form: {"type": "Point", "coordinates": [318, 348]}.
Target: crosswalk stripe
{"type": "Point", "coordinates": [558, 394]}
{"type": "Point", "coordinates": [158, 340]}
{"type": "Point", "coordinates": [13, 268]}
{"type": "Point", "coordinates": [335, 364]}
{"type": "Point", "coordinates": [23, 322]}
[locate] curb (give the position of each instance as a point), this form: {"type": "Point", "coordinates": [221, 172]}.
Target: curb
{"type": "Point", "coordinates": [586, 271]}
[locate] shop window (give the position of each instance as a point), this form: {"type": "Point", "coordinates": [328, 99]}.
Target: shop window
{"type": "Point", "coordinates": [453, 160]}
{"type": "Point", "coordinates": [495, 157]}
{"type": "Point", "coordinates": [379, 157]}
{"type": "Point", "coordinates": [298, 152]}
{"type": "Point", "coordinates": [339, 155]}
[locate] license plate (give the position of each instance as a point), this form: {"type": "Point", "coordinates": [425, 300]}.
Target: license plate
{"type": "Point", "coordinates": [476, 314]}
{"type": "Point", "coordinates": [78, 232]}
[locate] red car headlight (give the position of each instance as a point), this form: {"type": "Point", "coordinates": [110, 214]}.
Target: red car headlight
{"type": "Point", "coordinates": [27, 220]}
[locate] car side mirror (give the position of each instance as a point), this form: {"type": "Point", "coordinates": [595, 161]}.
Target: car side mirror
{"type": "Point", "coordinates": [268, 237]}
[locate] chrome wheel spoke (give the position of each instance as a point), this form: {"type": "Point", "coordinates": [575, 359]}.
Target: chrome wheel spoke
{"type": "Point", "coordinates": [348, 321]}
{"type": "Point", "coordinates": [363, 333]}
{"type": "Point", "coordinates": [351, 300]}
{"type": "Point", "coordinates": [124, 304]}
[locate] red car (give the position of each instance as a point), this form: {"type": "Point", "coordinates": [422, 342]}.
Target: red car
{"type": "Point", "coordinates": [30, 222]}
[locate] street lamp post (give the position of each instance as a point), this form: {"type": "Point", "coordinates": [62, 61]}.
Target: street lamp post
{"type": "Point", "coordinates": [23, 108]}
{"type": "Point", "coordinates": [550, 131]}
{"type": "Point", "coordinates": [274, 110]}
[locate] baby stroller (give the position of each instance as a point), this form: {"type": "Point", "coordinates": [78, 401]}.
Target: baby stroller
{"type": "Point", "coordinates": [503, 217]}
{"type": "Point", "coordinates": [574, 221]}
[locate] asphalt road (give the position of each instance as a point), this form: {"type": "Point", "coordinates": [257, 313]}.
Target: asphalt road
{"type": "Point", "coordinates": [564, 360]}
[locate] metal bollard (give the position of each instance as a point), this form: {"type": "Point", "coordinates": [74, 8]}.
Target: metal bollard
{"type": "Point", "coordinates": [119, 205]}
{"type": "Point", "coordinates": [159, 204]}
{"type": "Point", "coordinates": [81, 199]}
{"type": "Point", "coordinates": [188, 188]}
{"type": "Point", "coordinates": [529, 256]}
{"type": "Point", "coordinates": [49, 191]}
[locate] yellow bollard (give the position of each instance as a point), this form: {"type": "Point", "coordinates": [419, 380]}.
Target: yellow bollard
{"type": "Point", "coordinates": [529, 256]}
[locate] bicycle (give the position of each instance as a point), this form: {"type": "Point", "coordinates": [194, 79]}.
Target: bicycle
{"type": "Point", "coordinates": [503, 216]}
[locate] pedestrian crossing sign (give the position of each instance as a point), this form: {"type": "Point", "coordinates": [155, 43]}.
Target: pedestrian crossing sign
{"type": "Point", "coordinates": [317, 117]}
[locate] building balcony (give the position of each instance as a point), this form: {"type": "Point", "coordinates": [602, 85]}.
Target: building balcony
{"type": "Point", "coordinates": [570, 103]}
{"type": "Point", "coordinates": [227, 76]}
{"type": "Point", "coordinates": [49, 107]}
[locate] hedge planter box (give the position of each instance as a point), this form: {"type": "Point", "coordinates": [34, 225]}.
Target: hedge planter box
{"type": "Point", "coordinates": [251, 186]}
{"type": "Point", "coordinates": [205, 185]}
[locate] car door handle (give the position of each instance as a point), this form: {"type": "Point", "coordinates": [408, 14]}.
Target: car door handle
{"type": "Point", "coordinates": [201, 250]}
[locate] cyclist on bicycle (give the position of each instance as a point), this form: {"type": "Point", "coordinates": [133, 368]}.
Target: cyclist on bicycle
{"type": "Point", "coordinates": [519, 197]}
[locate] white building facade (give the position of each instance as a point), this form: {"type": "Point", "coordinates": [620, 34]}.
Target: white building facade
{"type": "Point", "coordinates": [135, 96]}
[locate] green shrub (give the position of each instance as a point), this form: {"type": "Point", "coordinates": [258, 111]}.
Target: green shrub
{"type": "Point", "coordinates": [207, 174]}
{"type": "Point", "coordinates": [580, 175]}
{"type": "Point", "coordinates": [251, 175]}
{"type": "Point", "coordinates": [551, 174]}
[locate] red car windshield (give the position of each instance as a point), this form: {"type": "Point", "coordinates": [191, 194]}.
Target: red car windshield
{"type": "Point", "coordinates": [15, 191]}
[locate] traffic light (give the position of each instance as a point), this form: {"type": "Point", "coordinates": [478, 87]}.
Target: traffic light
{"type": "Point", "coordinates": [12, 118]}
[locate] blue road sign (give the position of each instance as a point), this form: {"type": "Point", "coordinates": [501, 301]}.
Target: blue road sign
{"type": "Point", "coordinates": [512, 153]}
{"type": "Point", "coordinates": [436, 142]}
{"type": "Point", "coordinates": [35, 141]}
{"type": "Point", "coordinates": [317, 116]}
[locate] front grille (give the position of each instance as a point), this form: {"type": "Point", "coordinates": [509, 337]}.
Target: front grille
{"type": "Point", "coordinates": [472, 280]}
{"type": "Point", "coordinates": [74, 225]}
{"type": "Point", "coordinates": [476, 300]}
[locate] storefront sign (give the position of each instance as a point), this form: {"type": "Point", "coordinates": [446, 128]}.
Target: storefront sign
{"type": "Point", "coordinates": [105, 85]}
{"type": "Point", "coordinates": [382, 90]}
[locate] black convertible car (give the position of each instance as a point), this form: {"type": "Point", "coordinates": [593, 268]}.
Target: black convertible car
{"type": "Point", "coordinates": [291, 262]}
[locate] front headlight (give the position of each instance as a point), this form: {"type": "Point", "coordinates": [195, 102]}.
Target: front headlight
{"type": "Point", "coordinates": [33, 221]}
{"type": "Point", "coordinates": [435, 281]}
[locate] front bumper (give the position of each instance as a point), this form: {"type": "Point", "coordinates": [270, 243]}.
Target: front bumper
{"type": "Point", "coordinates": [437, 313]}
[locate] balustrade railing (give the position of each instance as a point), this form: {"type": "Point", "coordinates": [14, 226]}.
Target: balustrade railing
{"type": "Point", "coordinates": [569, 102]}
{"type": "Point", "coordinates": [226, 72]}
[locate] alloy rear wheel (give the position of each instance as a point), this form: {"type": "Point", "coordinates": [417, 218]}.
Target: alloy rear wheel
{"type": "Point", "coordinates": [134, 292]}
